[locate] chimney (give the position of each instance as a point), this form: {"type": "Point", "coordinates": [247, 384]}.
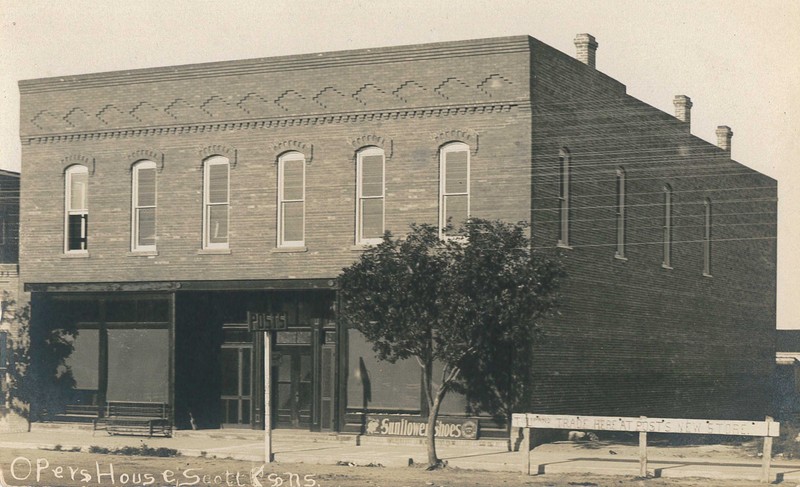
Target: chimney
{"type": "Point", "coordinates": [586, 47]}
{"type": "Point", "coordinates": [724, 134]}
{"type": "Point", "coordinates": [683, 110]}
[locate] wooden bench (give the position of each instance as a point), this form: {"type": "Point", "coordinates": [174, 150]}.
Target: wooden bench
{"type": "Point", "coordinates": [76, 413]}
{"type": "Point", "coordinates": [138, 418]}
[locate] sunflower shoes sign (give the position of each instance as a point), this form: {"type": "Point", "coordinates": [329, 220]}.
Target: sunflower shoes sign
{"type": "Point", "coordinates": [398, 425]}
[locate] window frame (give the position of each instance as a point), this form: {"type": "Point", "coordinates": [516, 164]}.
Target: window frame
{"type": "Point", "coordinates": [564, 200]}
{"type": "Point", "coordinates": [207, 205]}
{"type": "Point", "coordinates": [621, 215]}
{"type": "Point", "coordinates": [707, 223]}
{"type": "Point", "coordinates": [667, 228]}
{"type": "Point", "coordinates": [443, 194]}
{"type": "Point", "coordinates": [360, 198]}
{"type": "Point", "coordinates": [69, 174]}
{"type": "Point", "coordinates": [136, 206]}
{"type": "Point", "coordinates": [282, 160]}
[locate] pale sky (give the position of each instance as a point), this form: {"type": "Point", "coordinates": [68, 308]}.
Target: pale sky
{"type": "Point", "coordinates": [738, 60]}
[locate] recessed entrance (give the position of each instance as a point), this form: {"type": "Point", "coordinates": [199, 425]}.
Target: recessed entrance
{"type": "Point", "coordinates": [293, 387]}
{"type": "Point", "coordinates": [236, 398]}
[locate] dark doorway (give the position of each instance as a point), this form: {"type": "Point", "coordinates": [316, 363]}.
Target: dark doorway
{"type": "Point", "coordinates": [236, 395]}
{"type": "Point", "coordinates": [293, 387]}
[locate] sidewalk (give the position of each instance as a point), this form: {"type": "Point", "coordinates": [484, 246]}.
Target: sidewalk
{"type": "Point", "coordinates": [290, 446]}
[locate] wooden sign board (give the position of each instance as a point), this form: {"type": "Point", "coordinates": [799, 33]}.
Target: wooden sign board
{"type": "Point", "coordinates": [647, 425]}
{"type": "Point", "coordinates": [265, 321]}
{"type": "Point", "coordinates": [406, 425]}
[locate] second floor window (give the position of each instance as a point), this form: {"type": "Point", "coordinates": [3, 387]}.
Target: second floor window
{"type": "Point", "coordinates": [370, 190]}
{"type": "Point", "coordinates": [291, 200]}
{"type": "Point", "coordinates": [216, 202]}
{"type": "Point", "coordinates": [454, 187]}
{"type": "Point", "coordinates": [76, 224]}
{"type": "Point", "coordinates": [144, 206]}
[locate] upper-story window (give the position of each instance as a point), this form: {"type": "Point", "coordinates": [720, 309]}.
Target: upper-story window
{"type": "Point", "coordinates": [563, 197]}
{"type": "Point", "coordinates": [291, 200]}
{"type": "Point", "coordinates": [707, 237]}
{"type": "Point", "coordinates": [620, 210]}
{"type": "Point", "coordinates": [370, 192]}
{"type": "Point", "coordinates": [143, 234]}
{"type": "Point", "coordinates": [76, 219]}
{"type": "Point", "coordinates": [454, 187]}
{"type": "Point", "coordinates": [216, 202]}
{"type": "Point", "coordinates": [667, 228]}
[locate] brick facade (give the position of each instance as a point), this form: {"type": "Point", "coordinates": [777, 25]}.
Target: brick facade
{"type": "Point", "coordinates": [632, 338]}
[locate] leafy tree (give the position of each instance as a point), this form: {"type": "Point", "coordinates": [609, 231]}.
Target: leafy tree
{"type": "Point", "coordinates": [39, 379]}
{"type": "Point", "coordinates": [461, 302]}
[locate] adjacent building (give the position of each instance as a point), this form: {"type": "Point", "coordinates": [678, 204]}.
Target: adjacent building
{"type": "Point", "coordinates": [9, 272]}
{"type": "Point", "coordinates": [164, 204]}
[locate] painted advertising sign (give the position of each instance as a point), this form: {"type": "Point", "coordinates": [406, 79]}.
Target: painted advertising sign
{"type": "Point", "coordinates": [400, 425]}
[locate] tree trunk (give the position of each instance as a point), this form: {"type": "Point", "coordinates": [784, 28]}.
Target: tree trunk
{"type": "Point", "coordinates": [430, 433]}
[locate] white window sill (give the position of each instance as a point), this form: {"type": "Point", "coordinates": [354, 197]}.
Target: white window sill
{"type": "Point", "coordinates": [707, 275]}
{"type": "Point", "coordinates": [665, 266]}
{"type": "Point", "coordinates": [222, 251]}
{"type": "Point", "coordinates": [289, 250]}
{"type": "Point", "coordinates": [562, 245]}
{"type": "Point", "coordinates": [142, 253]}
{"type": "Point", "coordinates": [362, 247]}
{"type": "Point", "coordinates": [84, 254]}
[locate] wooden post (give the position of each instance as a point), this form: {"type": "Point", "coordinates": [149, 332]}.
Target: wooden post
{"type": "Point", "coordinates": [525, 450]}
{"type": "Point", "coordinates": [267, 404]}
{"type": "Point", "coordinates": [767, 455]}
{"type": "Point", "coordinates": [643, 452]}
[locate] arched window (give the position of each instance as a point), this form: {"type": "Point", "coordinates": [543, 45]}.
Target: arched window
{"type": "Point", "coordinates": [76, 218]}
{"type": "Point", "coordinates": [620, 213]}
{"type": "Point", "coordinates": [667, 228]}
{"type": "Point", "coordinates": [370, 192]}
{"type": "Point", "coordinates": [143, 219]}
{"type": "Point", "coordinates": [563, 197]}
{"type": "Point", "coordinates": [216, 202]}
{"type": "Point", "coordinates": [707, 237]}
{"type": "Point", "coordinates": [291, 199]}
{"type": "Point", "coordinates": [454, 187]}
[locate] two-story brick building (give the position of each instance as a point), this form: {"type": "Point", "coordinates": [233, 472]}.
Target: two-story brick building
{"type": "Point", "coordinates": [161, 205]}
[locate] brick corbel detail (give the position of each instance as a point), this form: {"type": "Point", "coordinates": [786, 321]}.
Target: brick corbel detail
{"type": "Point", "coordinates": [219, 150]}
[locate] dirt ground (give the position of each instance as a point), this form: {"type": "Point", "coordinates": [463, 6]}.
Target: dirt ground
{"type": "Point", "coordinates": [56, 468]}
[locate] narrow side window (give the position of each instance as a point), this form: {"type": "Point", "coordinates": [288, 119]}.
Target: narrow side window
{"type": "Point", "coordinates": [291, 200]}
{"type": "Point", "coordinates": [620, 206]}
{"type": "Point", "coordinates": [707, 237]}
{"type": "Point", "coordinates": [143, 219]}
{"type": "Point", "coordinates": [563, 197]}
{"type": "Point", "coordinates": [216, 202]}
{"type": "Point", "coordinates": [370, 193]}
{"type": "Point", "coordinates": [667, 227]}
{"type": "Point", "coordinates": [76, 218]}
{"type": "Point", "coordinates": [454, 160]}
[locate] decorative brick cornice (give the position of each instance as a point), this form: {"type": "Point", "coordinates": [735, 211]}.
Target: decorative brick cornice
{"type": "Point", "coordinates": [468, 136]}
{"type": "Point", "coordinates": [146, 154]}
{"type": "Point", "coordinates": [366, 140]}
{"type": "Point", "coordinates": [326, 119]}
{"type": "Point", "coordinates": [81, 159]}
{"type": "Point", "coordinates": [220, 150]}
{"type": "Point", "coordinates": [292, 145]}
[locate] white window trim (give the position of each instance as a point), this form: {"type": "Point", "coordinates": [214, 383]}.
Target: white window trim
{"type": "Point", "coordinates": [290, 156]}
{"type": "Point", "coordinates": [214, 161]}
{"type": "Point", "coordinates": [68, 211]}
{"type": "Point", "coordinates": [452, 147]}
{"type": "Point", "coordinates": [667, 250]}
{"type": "Point", "coordinates": [370, 151]}
{"type": "Point", "coordinates": [135, 207]}
{"type": "Point", "coordinates": [707, 222]}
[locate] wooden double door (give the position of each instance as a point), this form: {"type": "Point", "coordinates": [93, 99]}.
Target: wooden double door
{"type": "Point", "coordinates": [292, 387]}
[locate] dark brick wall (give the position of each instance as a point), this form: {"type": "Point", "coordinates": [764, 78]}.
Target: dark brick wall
{"type": "Point", "coordinates": [634, 338]}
